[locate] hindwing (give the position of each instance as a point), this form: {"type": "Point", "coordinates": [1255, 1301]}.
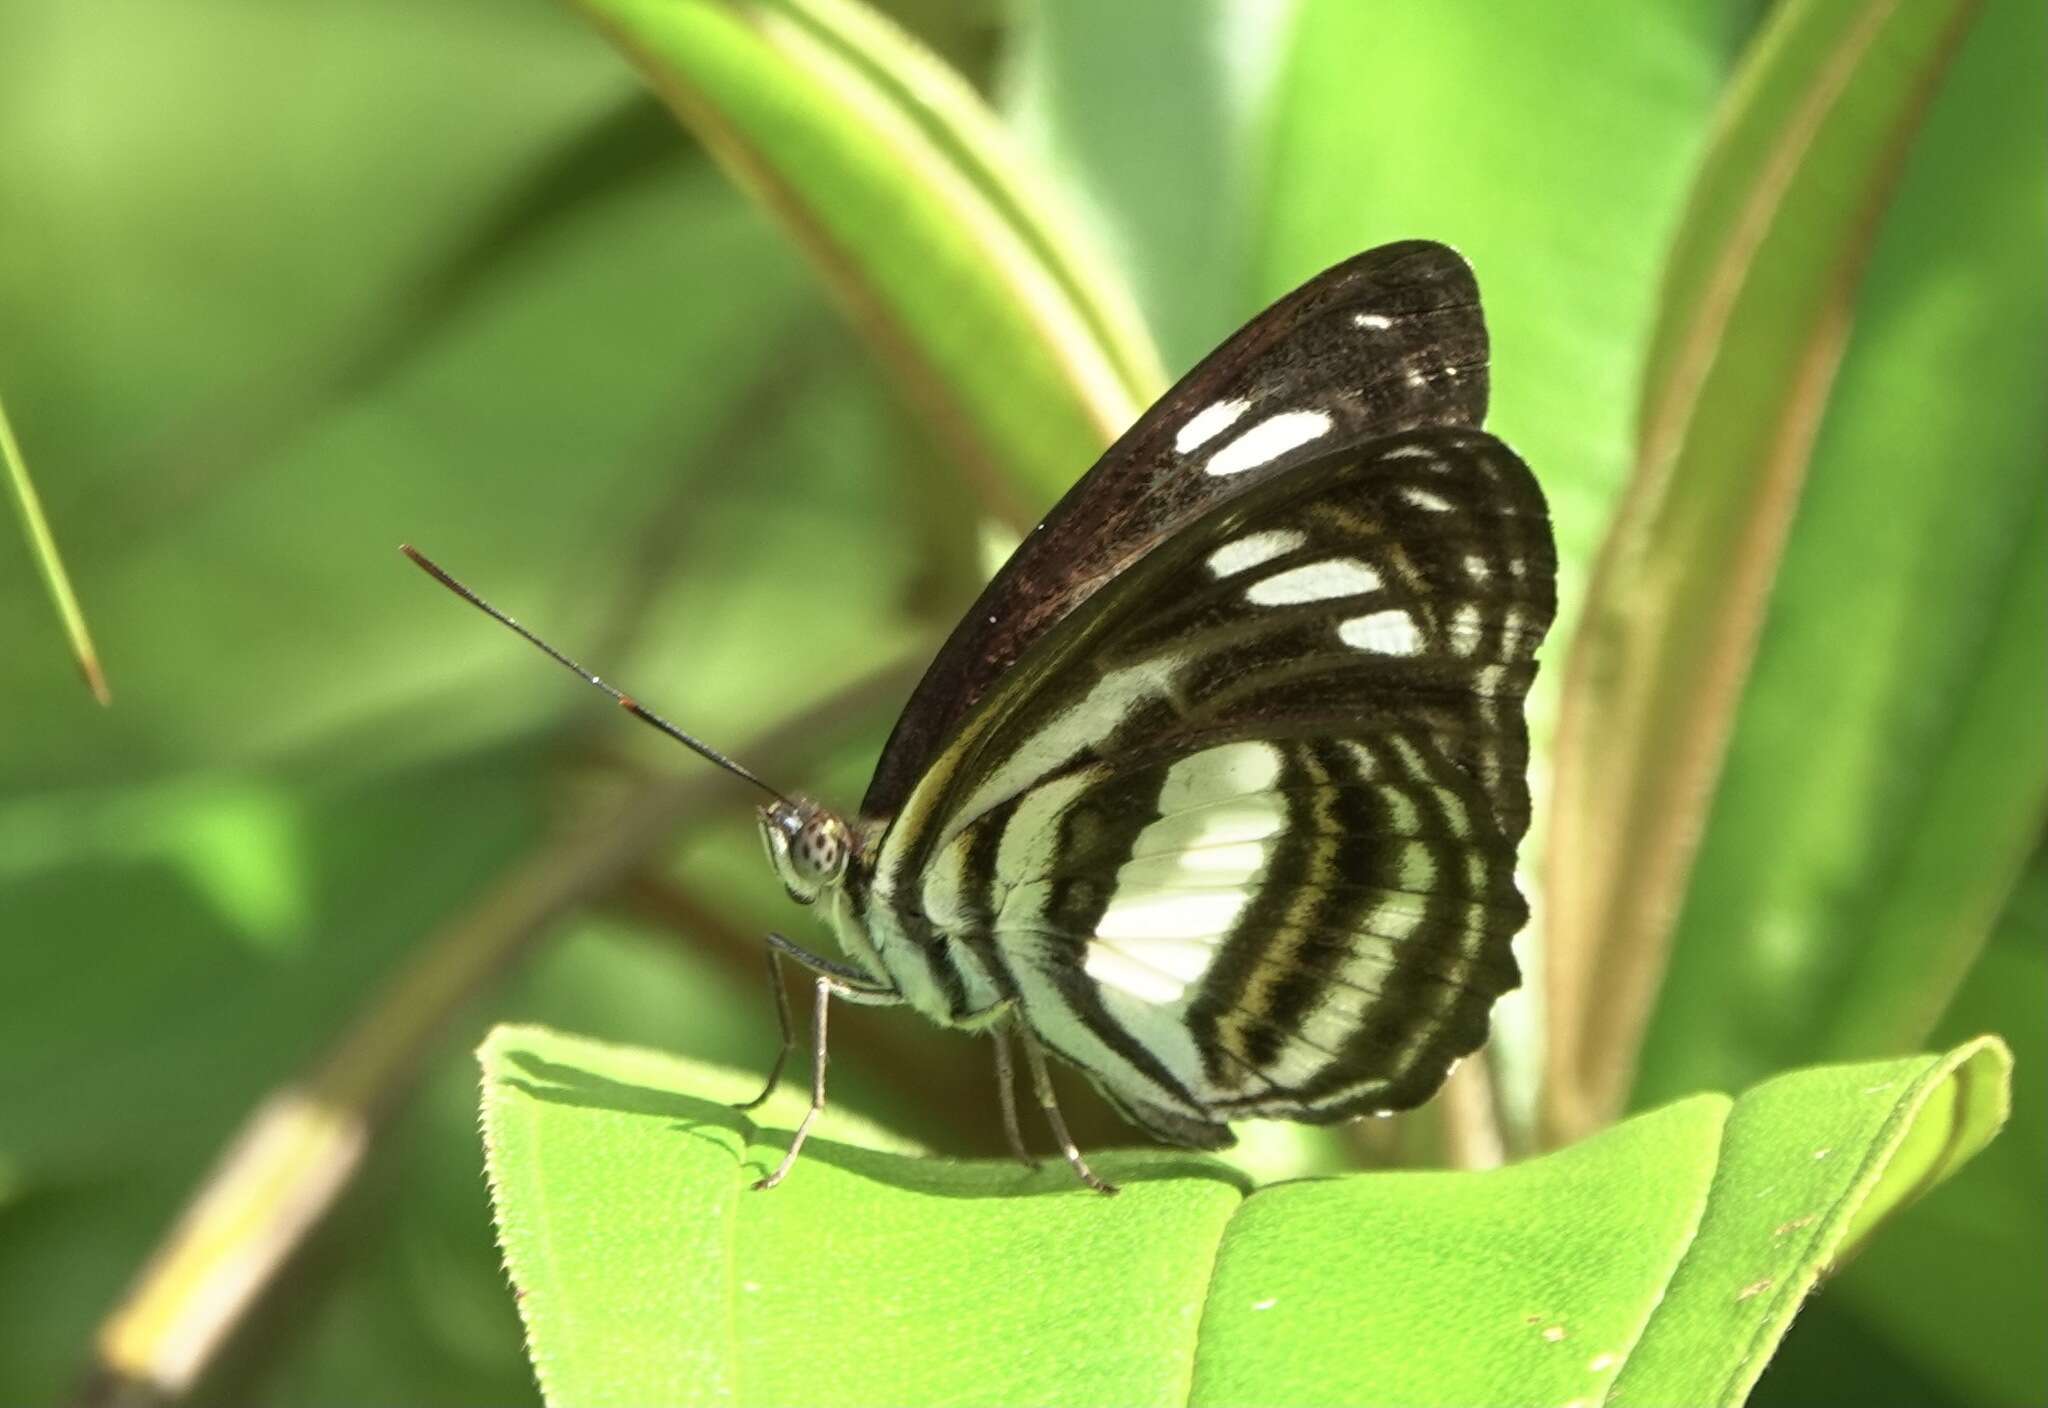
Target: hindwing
{"type": "Point", "coordinates": [1237, 834]}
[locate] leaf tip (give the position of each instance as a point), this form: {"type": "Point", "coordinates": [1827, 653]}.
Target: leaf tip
{"type": "Point", "coordinates": [95, 678]}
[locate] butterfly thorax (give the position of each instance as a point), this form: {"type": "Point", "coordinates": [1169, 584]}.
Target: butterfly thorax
{"type": "Point", "coordinates": [928, 960]}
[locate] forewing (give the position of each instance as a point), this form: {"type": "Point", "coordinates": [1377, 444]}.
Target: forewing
{"type": "Point", "coordinates": [1239, 834]}
{"type": "Point", "coordinates": [1389, 340]}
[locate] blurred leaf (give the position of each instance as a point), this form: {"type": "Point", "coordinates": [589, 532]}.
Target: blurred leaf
{"type": "Point", "coordinates": [271, 616]}
{"type": "Point", "coordinates": [1093, 87]}
{"type": "Point", "coordinates": [887, 171]}
{"type": "Point", "coordinates": [607, 157]}
{"type": "Point", "coordinates": [1888, 768]}
{"type": "Point", "coordinates": [305, 1141]}
{"type": "Point", "coordinates": [116, 1092]}
{"type": "Point", "coordinates": [1757, 305]}
{"type": "Point", "coordinates": [43, 546]}
{"type": "Point", "coordinates": [1670, 1251]}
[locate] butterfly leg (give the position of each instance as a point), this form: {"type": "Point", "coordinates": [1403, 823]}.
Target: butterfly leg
{"type": "Point", "coordinates": [855, 985]}
{"type": "Point", "coordinates": [821, 1005]}
{"type": "Point", "coordinates": [1041, 1083]}
{"type": "Point", "coordinates": [1006, 1092]}
{"type": "Point", "coordinates": [834, 980]}
{"type": "Point", "coordinates": [784, 1021]}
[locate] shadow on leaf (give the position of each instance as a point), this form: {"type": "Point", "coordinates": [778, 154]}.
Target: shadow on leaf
{"type": "Point", "coordinates": [560, 1084]}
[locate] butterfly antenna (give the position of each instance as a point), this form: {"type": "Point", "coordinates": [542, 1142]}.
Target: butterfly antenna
{"type": "Point", "coordinates": [625, 701]}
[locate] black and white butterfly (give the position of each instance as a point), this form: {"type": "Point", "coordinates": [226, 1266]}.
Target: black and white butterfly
{"type": "Point", "coordinates": [1215, 792]}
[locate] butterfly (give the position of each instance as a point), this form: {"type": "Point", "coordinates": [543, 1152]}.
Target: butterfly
{"type": "Point", "coordinates": [1215, 792]}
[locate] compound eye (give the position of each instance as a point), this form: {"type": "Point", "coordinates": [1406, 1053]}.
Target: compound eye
{"type": "Point", "coordinates": [820, 850]}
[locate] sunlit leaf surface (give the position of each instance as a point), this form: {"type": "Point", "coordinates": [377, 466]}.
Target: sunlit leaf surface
{"type": "Point", "coordinates": [1663, 1258]}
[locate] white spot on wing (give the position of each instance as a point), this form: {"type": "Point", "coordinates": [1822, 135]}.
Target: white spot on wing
{"type": "Point", "coordinates": [1376, 321]}
{"type": "Point", "coordinates": [1390, 921]}
{"type": "Point", "coordinates": [1401, 807]}
{"type": "Point", "coordinates": [1418, 867]}
{"type": "Point", "coordinates": [1387, 632]}
{"type": "Point", "coordinates": [1234, 860]}
{"type": "Point", "coordinates": [1114, 969]}
{"type": "Point", "coordinates": [1208, 423]}
{"type": "Point", "coordinates": [1268, 440]}
{"type": "Point", "coordinates": [1253, 549]}
{"type": "Point", "coordinates": [1465, 633]}
{"type": "Point", "coordinates": [1216, 838]}
{"type": "Point", "coordinates": [1314, 581]}
{"type": "Point", "coordinates": [1424, 499]}
{"type": "Point", "coordinates": [1159, 966]}
{"type": "Point", "coordinates": [1174, 930]}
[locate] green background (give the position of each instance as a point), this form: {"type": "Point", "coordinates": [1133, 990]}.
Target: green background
{"type": "Point", "coordinates": [282, 285]}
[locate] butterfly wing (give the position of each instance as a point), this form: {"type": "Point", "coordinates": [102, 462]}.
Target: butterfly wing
{"type": "Point", "coordinates": [1388, 340]}
{"type": "Point", "coordinates": [1237, 835]}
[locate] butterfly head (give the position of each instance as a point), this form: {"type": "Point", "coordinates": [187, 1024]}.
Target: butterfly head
{"type": "Point", "coordinates": [808, 846]}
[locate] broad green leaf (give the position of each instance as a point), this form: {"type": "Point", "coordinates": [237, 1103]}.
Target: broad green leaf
{"type": "Point", "coordinates": [1810, 1163]}
{"type": "Point", "coordinates": [1664, 1256]}
{"type": "Point", "coordinates": [893, 178]}
{"type": "Point", "coordinates": [1888, 769]}
{"type": "Point", "coordinates": [43, 547]}
{"type": "Point", "coordinates": [1757, 303]}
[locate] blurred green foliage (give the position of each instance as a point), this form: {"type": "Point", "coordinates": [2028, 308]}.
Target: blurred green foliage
{"type": "Point", "coordinates": [282, 285]}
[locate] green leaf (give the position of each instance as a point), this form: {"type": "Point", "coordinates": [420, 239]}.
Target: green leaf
{"type": "Point", "coordinates": [892, 176]}
{"type": "Point", "coordinates": [1810, 1163]}
{"type": "Point", "coordinates": [1875, 1326]}
{"type": "Point", "coordinates": [43, 544]}
{"type": "Point", "coordinates": [1888, 770]}
{"type": "Point", "coordinates": [1664, 1256]}
{"type": "Point", "coordinates": [1758, 298]}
